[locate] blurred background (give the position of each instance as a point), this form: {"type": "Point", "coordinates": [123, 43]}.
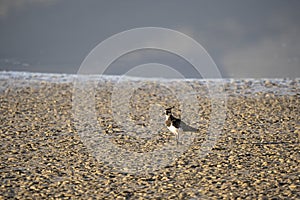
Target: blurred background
{"type": "Point", "coordinates": [246, 39]}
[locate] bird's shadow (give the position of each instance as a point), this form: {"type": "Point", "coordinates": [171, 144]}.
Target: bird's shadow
{"type": "Point", "coordinates": [187, 128]}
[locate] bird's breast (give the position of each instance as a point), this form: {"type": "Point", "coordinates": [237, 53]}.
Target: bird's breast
{"type": "Point", "coordinates": [168, 122]}
{"type": "Point", "coordinates": [173, 129]}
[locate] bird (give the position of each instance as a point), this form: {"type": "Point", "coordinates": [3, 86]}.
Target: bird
{"type": "Point", "coordinates": [172, 123]}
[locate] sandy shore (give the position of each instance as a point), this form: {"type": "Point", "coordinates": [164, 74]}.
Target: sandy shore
{"type": "Point", "coordinates": [43, 156]}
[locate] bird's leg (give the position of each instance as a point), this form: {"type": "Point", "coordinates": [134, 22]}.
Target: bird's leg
{"type": "Point", "coordinates": [177, 137]}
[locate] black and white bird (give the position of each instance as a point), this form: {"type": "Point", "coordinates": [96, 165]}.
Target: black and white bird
{"type": "Point", "coordinates": [173, 123]}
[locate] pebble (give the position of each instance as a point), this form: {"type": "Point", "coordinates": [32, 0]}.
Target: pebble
{"type": "Point", "coordinates": [43, 157]}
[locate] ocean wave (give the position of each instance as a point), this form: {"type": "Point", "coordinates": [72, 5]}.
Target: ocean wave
{"type": "Point", "coordinates": [247, 86]}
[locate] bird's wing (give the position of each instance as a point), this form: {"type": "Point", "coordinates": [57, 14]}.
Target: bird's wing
{"type": "Point", "coordinates": [176, 122]}
{"type": "Point", "coordinates": [188, 128]}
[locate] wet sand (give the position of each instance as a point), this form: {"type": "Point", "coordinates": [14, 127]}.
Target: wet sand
{"type": "Point", "coordinates": [43, 156]}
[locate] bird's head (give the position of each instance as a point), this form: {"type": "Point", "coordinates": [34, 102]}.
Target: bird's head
{"type": "Point", "coordinates": [168, 111]}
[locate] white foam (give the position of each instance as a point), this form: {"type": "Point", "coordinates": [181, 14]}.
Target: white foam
{"type": "Point", "coordinates": [237, 86]}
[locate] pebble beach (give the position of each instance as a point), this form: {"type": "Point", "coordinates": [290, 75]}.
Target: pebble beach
{"type": "Point", "coordinates": [43, 154]}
